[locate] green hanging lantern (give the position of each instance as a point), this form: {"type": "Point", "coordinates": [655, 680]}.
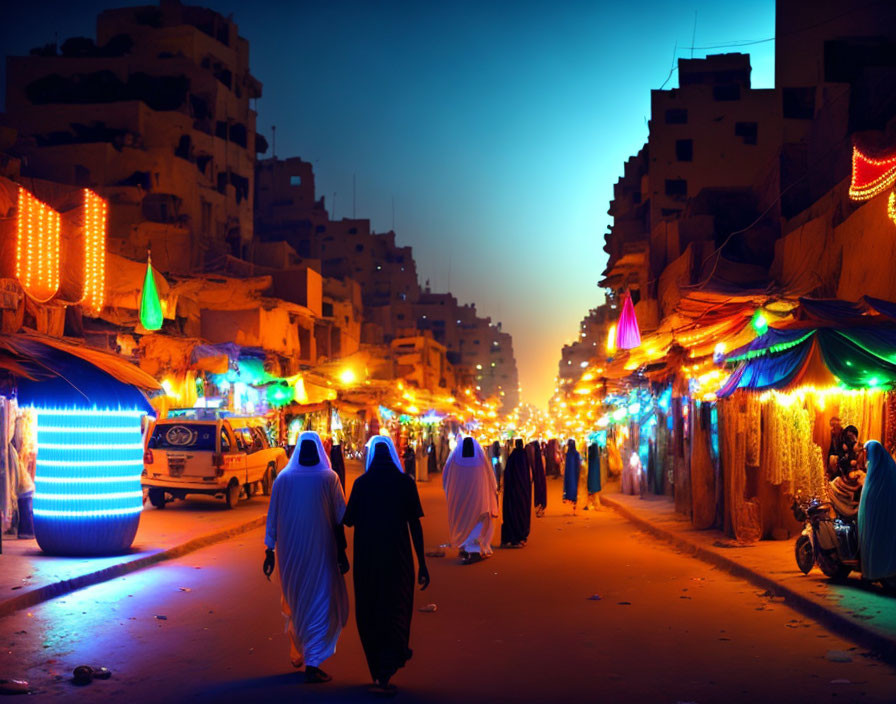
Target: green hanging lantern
{"type": "Point", "coordinates": [150, 306]}
{"type": "Point", "coordinates": [759, 321]}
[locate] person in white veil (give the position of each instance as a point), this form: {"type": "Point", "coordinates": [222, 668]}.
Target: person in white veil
{"type": "Point", "coordinates": [471, 489]}
{"type": "Point", "coordinates": [305, 526]}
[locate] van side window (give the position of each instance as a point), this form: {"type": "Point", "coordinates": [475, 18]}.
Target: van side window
{"type": "Point", "coordinates": [225, 441]}
{"type": "Point", "coordinates": [240, 439]}
{"type": "Point", "coordinates": [261, 441]}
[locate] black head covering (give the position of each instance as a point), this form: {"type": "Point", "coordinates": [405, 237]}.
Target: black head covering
{"type": "Point", "coordinates": [308, 456]}
{"type": "Point", "coordinates": [519, 444]}
{"type": "Point", "coordinates": [467, 448]}
{"type": "Point", "coordinates": [571, 444]}
{"type": "Point", "coordinates": [382, 457]}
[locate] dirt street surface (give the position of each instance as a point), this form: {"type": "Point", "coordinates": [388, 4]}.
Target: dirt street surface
{"type": "Point", "coordinates": [591, 609]}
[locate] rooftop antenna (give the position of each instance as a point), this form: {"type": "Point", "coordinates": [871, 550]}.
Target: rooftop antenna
{"type": "Point", "coordinates": [353, 196]}
{"type": "Point", "coordinates": [694, 34]}
{"type": "Point", "coordinates": [334, 205]}
{"type": "Point", "coordinates": [393, 213]}
{"type": "Point", "coordinates": [273, 141]}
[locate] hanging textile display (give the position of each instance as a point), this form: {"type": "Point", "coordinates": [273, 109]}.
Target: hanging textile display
{"type": "Point", "coordinates": [150, 305]}
{"type": "Point", "coordinates": [628, 335]}
{"type": "Point", "coordinates": [703, 480]}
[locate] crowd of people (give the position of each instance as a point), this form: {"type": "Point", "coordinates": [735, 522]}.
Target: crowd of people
{"type": "Point", "coordinates": [306, 537]}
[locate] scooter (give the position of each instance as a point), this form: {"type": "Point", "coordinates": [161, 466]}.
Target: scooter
{"type": "Point", "coordinates": [830, 541]}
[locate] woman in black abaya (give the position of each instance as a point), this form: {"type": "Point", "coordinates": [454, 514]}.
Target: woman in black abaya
{"type": "Point", "coordinates": [384, 508]}
{"type": "Point", "coordinates": [539, 485]}
{"type": "Point", "coordinates": [517, 498]}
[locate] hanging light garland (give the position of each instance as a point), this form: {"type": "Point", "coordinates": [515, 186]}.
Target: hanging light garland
{"type": "Point", "coordinates": [94, 252]}
{"type": "Point", "coordinates": [872, 176]}
{"type": "Point", "coordinates": [37, 247]}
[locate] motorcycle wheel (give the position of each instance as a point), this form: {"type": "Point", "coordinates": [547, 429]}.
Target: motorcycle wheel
{"type": "Point", "coordinates": [805, 555]}
{"type": "Point", "coordinates": [833, 569]}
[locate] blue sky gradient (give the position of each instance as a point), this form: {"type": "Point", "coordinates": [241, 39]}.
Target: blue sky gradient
{"type": "Point", "coordinates": [499, 128]}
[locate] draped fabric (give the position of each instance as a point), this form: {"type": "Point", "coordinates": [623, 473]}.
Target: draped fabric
{"type": "Point", "coordinates": [539, 481]}
{"type": "Point", "coordinates": [383, 503]}
{"type": "Point", "coordinates": [471, 491]}
{"type": "Point", "coordinates": [307, 504]}
{"type": "Point", "coordinates": [877, 514]}
{"type": "Point", "coordinates": [517, 504]}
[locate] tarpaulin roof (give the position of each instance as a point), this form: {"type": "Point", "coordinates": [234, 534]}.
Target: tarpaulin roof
{"type": "Point", "coordinates": [832, 343]}
{"type": "Point", "coordinates": [53, 374]}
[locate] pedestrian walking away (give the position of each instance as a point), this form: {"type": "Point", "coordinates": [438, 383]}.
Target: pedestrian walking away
{"type": "Point", "coordinates": [304, 527]}
{"type": "Point", "coordinates": [384, 509]}
{"type": "Point", "coordinates": [593, 480]}
{"type": "Point", "coordinates": [539, 482]}
{"type": "Point", "coordinates": [517, 499]}
{"type": "Point", "coordinates": [337, 463]}
{"type": "Point", "coordinates": [571, 474]}
{"type": "Point", "coordinates": [472, 495]}
{"type": "Point", "coordinates": [410, 462]}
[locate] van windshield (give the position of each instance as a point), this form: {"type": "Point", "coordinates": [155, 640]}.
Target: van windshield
{"type": "Point", "coordinates": [183, 436]}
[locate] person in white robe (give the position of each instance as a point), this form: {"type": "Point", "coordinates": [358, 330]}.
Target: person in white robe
{"type": "Point", "coordinates": [471, 490]}
{"type": "Point", "coordinates": [304, 525]}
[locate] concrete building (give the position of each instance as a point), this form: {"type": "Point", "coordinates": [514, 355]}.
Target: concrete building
{"type": "Point", "coordinates": [156, 116]}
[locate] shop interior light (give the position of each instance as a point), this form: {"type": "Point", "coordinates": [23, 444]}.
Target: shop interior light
{"type": "Point", "coordinates": [37, 246]}
{"type": "Point", "coordinates": [611, 339]}
{"type": "Point", "coordinates": [347, 376]}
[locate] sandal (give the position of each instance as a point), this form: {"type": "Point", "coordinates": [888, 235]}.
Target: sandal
{"type": "Point", "coordinates": [314, 675]}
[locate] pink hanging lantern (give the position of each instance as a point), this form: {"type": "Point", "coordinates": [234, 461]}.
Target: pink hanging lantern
{"type": "Point", "coordinates": [628, 336]}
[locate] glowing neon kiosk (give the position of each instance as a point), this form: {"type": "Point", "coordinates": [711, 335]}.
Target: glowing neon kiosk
{"type": "Point", "coordinates": [88, 496]}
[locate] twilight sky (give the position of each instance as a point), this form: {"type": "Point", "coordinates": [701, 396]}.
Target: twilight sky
{"type": "Point", "coordinates": [499, 128]}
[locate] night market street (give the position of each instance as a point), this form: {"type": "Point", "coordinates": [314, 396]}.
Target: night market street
{"type": "Point", "coordinates": [667, 628]}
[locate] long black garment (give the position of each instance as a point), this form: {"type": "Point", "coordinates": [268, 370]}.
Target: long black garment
{"type": "Point", "coordinates": [410, 462]}
{"type": "Point", "coordinates": [539, 482]}
{"type": "Point", "coordinates": [517, 497]}
{"type": "Point", "coordinates": [338, 463]}
{"type": "Point", "coordinates": [381, 504]}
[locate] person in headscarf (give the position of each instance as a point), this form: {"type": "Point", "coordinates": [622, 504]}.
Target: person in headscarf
{"type": "Point", "coordinates": [539, 483]}
{"type": "Point", "coordinates": [571, 473]}
{"type": "Point", "coordinates": [845, 489]}
{"type": "Point", "coordinates": [593, 479]}
{"type": "Point", "coordinates": [337, 461]}
{"type": "Point", "coordinates": [877, 519]}
{"type": "Point", "coordinates": [432, 458]}
{"type": "Point", "coordinates": [517, 498]}
{"type": "Point", "coordinates": [304, 526]}
{"type": "Point", "coordinates": [410, 462]}
{"type": "Point", "coordinates": [471, 490]}
{"type": "Point", "coordinates": [421, 459]}
{"type": "Point", "coordinates": [496, 463]}
{"type": "Point", "coordinates": [384, 509]}
{"type": "Point", "coordinates": [551, 467]}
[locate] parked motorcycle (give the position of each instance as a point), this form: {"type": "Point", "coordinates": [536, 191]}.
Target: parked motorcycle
{"type": "Point", "coordinates": [830, 541]}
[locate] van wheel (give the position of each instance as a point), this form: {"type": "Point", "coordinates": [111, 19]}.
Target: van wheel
{"type": "Point", "coordinates": [267, 481]}
{"type": "Point", "coordinates": [250, 489]}
{"type": "Point", "coordinates": [157, 498]}
{"type": "Point", "coordinates": [232, 497]}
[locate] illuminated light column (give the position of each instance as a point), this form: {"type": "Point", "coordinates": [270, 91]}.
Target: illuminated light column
{"type": "Point", "coordinates": [95, 210]}
{"type": "Point", "coordinates": [37, 247]}
{"type": "Point", "coordinates": [88, 496]}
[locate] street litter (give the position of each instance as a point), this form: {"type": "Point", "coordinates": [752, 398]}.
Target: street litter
{"type": "Point", "coordinates": [429, 608]}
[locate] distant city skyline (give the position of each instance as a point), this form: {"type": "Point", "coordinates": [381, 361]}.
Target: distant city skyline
{"type": "Point", "coordinates": [497, 129]}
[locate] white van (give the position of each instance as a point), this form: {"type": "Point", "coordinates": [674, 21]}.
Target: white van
{"type": "Point", "coordinates": [192, 453]}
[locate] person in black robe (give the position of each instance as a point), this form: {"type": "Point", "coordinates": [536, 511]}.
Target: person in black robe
{"type": "Point", "coordinates": [539, 482]}
{"type": "Point", "coordinates": [496, 462]}
{"type": "Point", "coordinates": [551, 466]}
{"type": "Point", "coordinates": [517, 498]}
{"type": "Point", "coordinates": [432, 459]}
{"type": "Point", "coordinates": [337, 461]}
{"type": "Point", "coordinates": [410, 462]}
{"type": "Point", "coordinates": [384, 508]}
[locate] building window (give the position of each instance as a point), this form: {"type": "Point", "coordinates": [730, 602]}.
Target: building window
{"type": "Point", "coordinates": [359, 248]}
{"type": "Point", "coordinates": [295, 180]}
{"type": "Point", "coordinates": [726, 93]}
{"type": "Point", "coordinates": [798, 103]}
{"type": "Point", "coordinates": [676, 187]}
{"type": "Point", "coordinates": [684, 149]}
{"type": "Point", "coordinates": [748, 131]}
{"type": "Point", "coordinates": [676, 116]}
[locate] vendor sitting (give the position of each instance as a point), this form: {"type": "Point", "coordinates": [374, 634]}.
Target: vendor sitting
{"type": "Point", "coordinates": [835, 448]}
{"type": "Point", "coordinates": [845, 488]}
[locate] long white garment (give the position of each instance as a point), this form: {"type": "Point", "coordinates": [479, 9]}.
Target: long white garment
{"type": "Point", "coordinates": [307, 504]}
{"type": "Point", "coordinates": [471, 490]}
